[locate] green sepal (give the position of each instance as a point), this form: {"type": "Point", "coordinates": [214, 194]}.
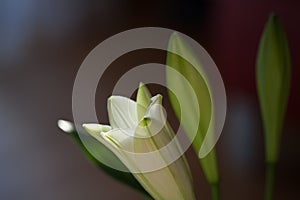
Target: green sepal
{"type": "Point", "coordinates": [143, 100]}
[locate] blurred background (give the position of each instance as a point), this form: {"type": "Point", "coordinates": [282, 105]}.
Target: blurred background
{"type": "Point", "coordinates": [42, 45]}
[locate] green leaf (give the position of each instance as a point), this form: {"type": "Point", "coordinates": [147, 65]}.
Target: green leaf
{"type": "Point", "coordinates": [186, 107]}
{"type": "Point", "coordinates": [106, 155]}
{"type": "Point", "coordinates": [273, 77]}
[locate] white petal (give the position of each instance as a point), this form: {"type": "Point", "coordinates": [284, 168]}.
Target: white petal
{"type": "Point", "coordinates": [156, 110]}
{"type": "Point", "coordinates": [142, 155]}
{"type": "Point", "coordinates": [154, 120]}
{"type": "Point", "coordinates": [170, 182]}
{"type": "Point", "coordinates": [95, 130]}
{"type": "Point", "coordinates": [122, 112]}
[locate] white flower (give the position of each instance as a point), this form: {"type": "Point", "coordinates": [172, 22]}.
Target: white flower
{"type": "Point", "coordinates": [142, 139]}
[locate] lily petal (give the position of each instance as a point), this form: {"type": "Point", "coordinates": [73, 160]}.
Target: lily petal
{"type": "Point", "coordinates": [96, 129]}
{"type": "Point", "coordinates": [170, 182]}
{"type": "Point", "coordinates": [143, 145]}
{"type": "Point", "coordinates": [122, 112]}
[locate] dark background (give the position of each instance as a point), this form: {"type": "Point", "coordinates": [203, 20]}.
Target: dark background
{"type": "Point", "coordinates": [42, 45]}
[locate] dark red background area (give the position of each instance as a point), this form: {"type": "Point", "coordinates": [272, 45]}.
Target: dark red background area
{"type": "Point", "coordinates": [42, 45]}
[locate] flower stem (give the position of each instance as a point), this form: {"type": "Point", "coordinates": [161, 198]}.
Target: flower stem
{"type": "Point", "coordinates": [270, 180]}
{"type": "Point", "coordinates": [216, 192]}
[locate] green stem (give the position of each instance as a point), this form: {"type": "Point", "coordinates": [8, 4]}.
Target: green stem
{"type": "Point", "coordinates": [270, 181]}
{"type": "Point", "coordinates": [216, 192]}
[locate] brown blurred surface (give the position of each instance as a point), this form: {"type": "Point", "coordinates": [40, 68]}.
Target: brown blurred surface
{"type": "Point", "coordinates": [42, 46]}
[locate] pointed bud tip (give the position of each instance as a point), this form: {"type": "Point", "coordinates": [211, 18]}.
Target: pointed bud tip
{"type": "Point", "coordinates": [274, 20]}
{"type": "Point", "coordinates": [175, 35]}
{"type": "Point", "coordinates": [141, 84]}
{"type": "Point", "coordinates": [175, 39]}
{"type": "Point", "coordinates": [157, 99]}
{"type": "Point", "coordinates": [143, 88]}
{"type": "Point", "coordinates": [273, 16]}
{"type": "Point", "coordinates": [96, 128]}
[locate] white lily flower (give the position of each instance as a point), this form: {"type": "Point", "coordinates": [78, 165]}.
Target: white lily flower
{"type": "Point", "coordinates": [140, 136]}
